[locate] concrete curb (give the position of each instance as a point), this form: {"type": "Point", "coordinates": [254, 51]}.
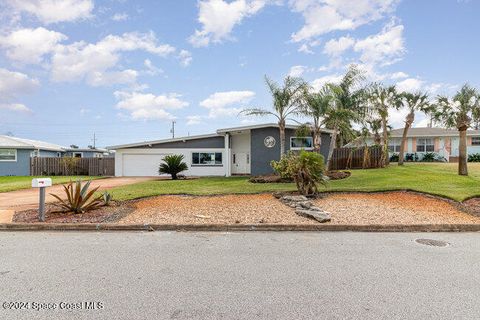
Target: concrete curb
{"type": "Point", "coordinates": [237, 227]}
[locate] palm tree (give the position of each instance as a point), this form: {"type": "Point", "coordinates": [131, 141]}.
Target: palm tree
{"type": "Point", "coordinates": [414, 102]}
{"type": "Point", "coordinates": [316, 105]}
{"type": "Point", "coordinates": [457, 112]}
{"type": "Point", "coordinates": [173, 164]}
{"type": "Point", "coordinates": [381, 99]}
{"type": "Point", "coordinates": [286, 102]}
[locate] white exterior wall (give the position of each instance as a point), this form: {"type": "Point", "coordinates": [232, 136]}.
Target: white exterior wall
{"type": "Point", "coordinates": [195, 170]}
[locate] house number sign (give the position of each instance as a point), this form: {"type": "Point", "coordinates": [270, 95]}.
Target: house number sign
{"type": "Point", "coordinates": [269, 142]}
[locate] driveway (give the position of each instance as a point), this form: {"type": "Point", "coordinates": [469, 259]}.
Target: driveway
{"type": "Point", "coordinates": [256, 275]}
{"type": "Point", "coordinates": [28, 198]}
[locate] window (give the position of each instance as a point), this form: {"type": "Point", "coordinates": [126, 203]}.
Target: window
{"type": "Point", "coordinates": [475, 141]}
{"type": "Point", "coordinates": [394, 145]}
{"type": "Point", "coordinates": [207, 158]}
{"type": "Point", "coordinates": [425, 145]}
{"type": "Point", "coordinates": [301, 143]}
{"type": "Point", "coordinates": [77, 154]}
{"type": "Point", "coordinates": [34, 154]}
{"type": "Point", "coordinates": [8, 155]}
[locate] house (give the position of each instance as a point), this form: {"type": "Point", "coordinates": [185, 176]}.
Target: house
{"type": "Point", "coordinates": [15, 154]}
{"type": "Point", "coordinates": [444, 142]}
{"type": "Point", "coordinates": [246, 150]}
{"type": "Point", "coordinates": [87, 152]}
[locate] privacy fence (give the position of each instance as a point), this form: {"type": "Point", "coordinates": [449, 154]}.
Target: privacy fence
{"type": "Point", "coordinates": [357, 158]}
{"type": "Point", "coordinates": [72, 166]}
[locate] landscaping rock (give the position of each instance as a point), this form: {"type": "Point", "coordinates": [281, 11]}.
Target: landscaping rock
{"type": "Point", "coordinates": [305, 208]}
{"type": "Point", "coordinates": [294, 198]}
{"type": "Point", "coordinates": [320, 216]}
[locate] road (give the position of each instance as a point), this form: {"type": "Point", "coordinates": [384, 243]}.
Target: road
{"type": "Point", "coordinates": [283, 275]}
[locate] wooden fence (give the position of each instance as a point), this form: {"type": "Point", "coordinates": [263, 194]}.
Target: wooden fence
{"type": "Point", "coordinates": [354, 158]}
{"type": "Point", "coordinates": [72, 166]}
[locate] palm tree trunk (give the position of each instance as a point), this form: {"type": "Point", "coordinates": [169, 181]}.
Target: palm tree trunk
{"type": "Point", "coordinates": [333, 143]}
{"type": "Point", "coordinates": [317, 139]}
{"type": "Point", "coordinates": [462, 153]}
{"type": "Point", "coordinates": [383, 160]}
{"type": "Point", "coordinates": [281, 127]}
{"type": "Point", "coordinates": [408, 123]}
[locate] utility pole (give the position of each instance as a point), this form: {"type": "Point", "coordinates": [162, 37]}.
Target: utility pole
{"type": "Point", "coordinates": [94, 141]}
{"type": "Point", "coordinates": [172, 131]}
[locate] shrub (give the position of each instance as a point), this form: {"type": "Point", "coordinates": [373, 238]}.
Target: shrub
{"type": "Point", "coordinates": [394, 157]}
{"type": "Point", "coordinates": [429, 157]}
{"type": "Point", "coordinates": [70, 164]}
{"type": "Point", "coordinates": [475, 157]}
{"type": "Point", "coordinates": [79, 199]}
{"type": "Point", "coordinates": [411, 157]}
{"type": "Point", "coordinates": [107, 197]}
{"type": "Point", "coordinates": [306, 169]}
{"type": "Point", "coordinates": [173, 165]}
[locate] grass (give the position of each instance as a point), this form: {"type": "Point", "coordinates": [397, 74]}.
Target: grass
{"type": "Point", "coordinates": [433, 178]}
{"type": "Point", "coordinates": [25, 182]}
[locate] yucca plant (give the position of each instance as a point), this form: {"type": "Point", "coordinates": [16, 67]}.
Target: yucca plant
{"type": "Point", "coordinates": [173, 164]}
{"type": "Point", "coordinates": [79, 198]}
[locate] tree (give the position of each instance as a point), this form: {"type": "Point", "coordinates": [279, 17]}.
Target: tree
{"type": "Point", "coordinates": [380, 100]}
{"type": "Point", "coordinates": [286, 103]}
{"type": "Point", "coordinates": [457, 112]}
{"type": "Point", "coordinates": [315, 105]}
{"type": "Point", "coordinates": [414, 102]}
{"type": "Point", "coordinates": [173, 165]}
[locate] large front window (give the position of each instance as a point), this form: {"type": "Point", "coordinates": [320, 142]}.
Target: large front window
{"type": "Point", "coordinates": [8, 155]}
{"type": "Point", "coordinates": [394, 145]}
{"type": "Point", "coordinates": [207, 158]}
{"type": "Point", "coordinates": [301, 143]}
{"type": "Point", "coordinates": [475, 141]}
{"type": "Point", "coordinates": [425, 145]}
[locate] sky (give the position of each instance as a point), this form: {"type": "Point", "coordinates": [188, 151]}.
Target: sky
{"type": "Point", "coordinates": [125, 69]}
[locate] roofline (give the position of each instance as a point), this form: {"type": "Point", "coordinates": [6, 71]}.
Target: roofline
{"type": "Point", "coordinates": [264, 125]}
{"type": "Point", "coordinates": [130, 145]}
{"type": "Point", "coordinates": [31, 148]}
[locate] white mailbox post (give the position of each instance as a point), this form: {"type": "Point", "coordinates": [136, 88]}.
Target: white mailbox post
{"type": "Point", "coordinates": [41, 183]}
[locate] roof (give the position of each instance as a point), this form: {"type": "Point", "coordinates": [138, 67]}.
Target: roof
{"type": "Point", "coordinates": [19, 143]}
{"type": "Point", "coordinates": [86, 150]}
{"type": "Point", "coordinates": [138, 144]}
{"type": "Point", "coordinates": [430, 132]}
{"type": "Point", "coordinates": [263, 125]}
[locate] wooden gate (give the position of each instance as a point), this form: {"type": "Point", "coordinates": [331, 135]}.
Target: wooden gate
{"type": "Point", "coordinates": [72, 166]}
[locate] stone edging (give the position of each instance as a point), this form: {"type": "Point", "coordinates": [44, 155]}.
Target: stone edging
{"type": "Point", "coordinates": [238, 227]}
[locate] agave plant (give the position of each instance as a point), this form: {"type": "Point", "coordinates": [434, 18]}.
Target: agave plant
{"type": "Point", "coordinates": [79, 198]}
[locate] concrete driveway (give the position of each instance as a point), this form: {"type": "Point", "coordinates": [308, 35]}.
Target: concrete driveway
{"type": "Point", "coordinates": [28, 198]}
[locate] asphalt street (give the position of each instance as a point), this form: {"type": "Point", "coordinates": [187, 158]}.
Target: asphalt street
{"type": "Point", "coordinates": [244, 275]}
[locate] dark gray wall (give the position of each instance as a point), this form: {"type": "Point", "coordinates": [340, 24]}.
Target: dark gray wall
{"type": "Point", "coordinates": [262, 156]}
{"type": "Point", "coordinates": [21, 167]}
{"type": "Point", "coordinates": [212, 142]}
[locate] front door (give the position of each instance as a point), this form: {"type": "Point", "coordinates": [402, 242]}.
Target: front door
{"type": "Point", "coordinates": [240, 163]}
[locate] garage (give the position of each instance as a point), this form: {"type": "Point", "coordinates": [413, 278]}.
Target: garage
{"type": "Point", "coordinates": [139, 165]}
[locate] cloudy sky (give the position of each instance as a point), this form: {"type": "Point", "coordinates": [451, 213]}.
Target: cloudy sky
{"type": "Point", "coordinates": [125, 69]}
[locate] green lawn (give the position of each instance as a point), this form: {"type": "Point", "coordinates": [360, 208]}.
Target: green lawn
{"type": "Point", "coordinates": [25, 182]}
{"type": "Point", "coordinates": [434, 178]}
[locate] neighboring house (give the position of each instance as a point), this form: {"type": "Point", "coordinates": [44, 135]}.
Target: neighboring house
{"type": "Point", "coordinates": [15, 154]}
{"type": "Point", "coordinates": [444, 142]}
{"type": "Point", "coordinates": [246, 150]}
{"type": "Point", "coordinates": [87, 153]}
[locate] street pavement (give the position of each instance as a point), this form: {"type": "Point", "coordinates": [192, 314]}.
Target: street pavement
{"type": "Point", "coordinates": [244, 275]}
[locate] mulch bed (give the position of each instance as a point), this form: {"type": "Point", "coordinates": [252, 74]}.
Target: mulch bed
{"type": "Point", "coordinates": [332, 175]}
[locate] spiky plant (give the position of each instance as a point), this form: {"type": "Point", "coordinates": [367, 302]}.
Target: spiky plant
{"type": "Point", "coordinates": [173, 164]}
{"type": "Point", "coordinates": [79, 198]}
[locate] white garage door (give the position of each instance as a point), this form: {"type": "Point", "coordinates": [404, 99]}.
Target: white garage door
{"type": "Point", "coordinates": [141, 165]}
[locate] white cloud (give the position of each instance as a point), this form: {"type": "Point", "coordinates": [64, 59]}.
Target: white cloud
{"type": "Point", "coordinates": [398, 75]}
{"type": "Point", "coordinates": [219, 102]}
{"type": "Point", "coordinates": [410, 85]}
{"type": "Point", "coordinates": [53, 11]}
{"type": "Point", "coordinates": [384, 48]}
{"type": "Point", "coordinates": [147, 106]}
{"type": "Point", "coordinates": [317, 84]}
{"type": "Point", "coordinates": [97, 78]}
{"type": "Point", "coordinates": [336, 47]}
{"type": "Point", "coordinates": [185, 58]}
{"type": "Point", "coordinates": [219, 17]}
{"type": "Point", "coordinates": [82, 60]}
{"type": "Point", "coordinates": [29, 46]}
{"type": "Point", "coordinates": [12, 85]}
{"type": "Point", "coordinates": [151, 69]}
{"type": "Point", "coordinates": [120, 17]}
{"type": "Point", "coordinates": [324, 16]}
{"type": "Point", "coordinates": [193, 120]}
{"type": "Point", "coordinates": [297, 71]}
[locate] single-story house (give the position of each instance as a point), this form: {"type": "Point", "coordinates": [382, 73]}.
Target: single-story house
{"type": "Point", "coordinates": [246, 150]}
{"type": "Point", "coordinates": [87, 152]}
{"type": "Point", "coordinates": [444, 142]}
{"type": "Point", "coordinates": [15, 154]}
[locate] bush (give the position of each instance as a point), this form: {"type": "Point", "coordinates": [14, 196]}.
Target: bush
{"type": "Point", "coordinates": [475, 157]}
{"type": "Point", "coordinates": [394, 157]}
{"type": "Point", "coordinates": [173, 165]}
{"type": "Point", "coordinates": [428, 157]}
{"type": "Point", "coordinates": [79, 199]}
{"type": "Point", "coordinates": [306, 169]}
{"type": "Point", "coordinates": [411, 157]}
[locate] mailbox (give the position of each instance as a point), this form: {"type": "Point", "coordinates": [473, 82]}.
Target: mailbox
{"type": "Point", "coordinates": [41, 182]}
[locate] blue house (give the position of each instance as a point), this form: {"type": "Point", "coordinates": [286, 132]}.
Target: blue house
{"type": "Point", "coordinates": [87, 153]}
{"type": "Point", "coordinates": [15, 154]}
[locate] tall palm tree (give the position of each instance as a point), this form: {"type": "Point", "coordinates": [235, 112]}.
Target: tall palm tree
{"type": "Point", "coordinates": [381, 99]}
{"type": "Point", "coordinates": [457, 113]}
{"type": "Point", "coordinates": [286, 102]}
{"type": "Point", "coordinates": [414, 102]}
{"type": "Point", "coordinates": [315, 105]}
